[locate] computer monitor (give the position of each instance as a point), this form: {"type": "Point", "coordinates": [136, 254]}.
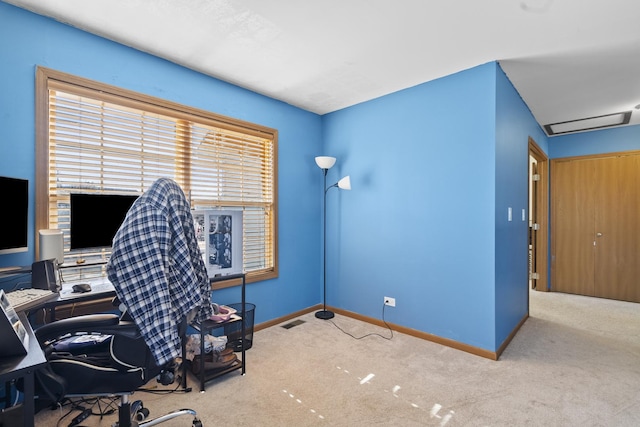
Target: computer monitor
{"type": "Point", "coordinates": [95, 218]}
{"type": "Point", "coordinates": [14, 215]}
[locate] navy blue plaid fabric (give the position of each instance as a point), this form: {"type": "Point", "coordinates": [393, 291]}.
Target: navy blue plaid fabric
{"type": "Point", "coordinates": [157, 269]}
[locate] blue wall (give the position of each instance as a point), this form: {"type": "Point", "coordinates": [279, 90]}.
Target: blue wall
{"type": "Point", "coordinates": [626, 138]}
{"type": "Point", "coordinates": [28, 40]}
{"type": "Point", "coordinates": [514, 125]}
{"type": "Point", "coordinates": [420, 224]}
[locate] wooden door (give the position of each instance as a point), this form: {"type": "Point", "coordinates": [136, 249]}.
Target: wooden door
{"type": "Point", "coordinates": [572, 227]}
{"type": "Point", "coordinates": [617, 228]}
{"type": "Point", "coordinates": [596, 226]}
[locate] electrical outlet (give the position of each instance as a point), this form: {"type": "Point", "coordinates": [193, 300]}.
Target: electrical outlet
{"type": "Point", "coordinates": [391, 302]}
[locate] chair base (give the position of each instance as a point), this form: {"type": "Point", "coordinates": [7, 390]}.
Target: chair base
{"type": "Point", "coordinates": [126, 418]}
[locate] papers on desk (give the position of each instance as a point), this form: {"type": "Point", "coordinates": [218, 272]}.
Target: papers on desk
{"type": "Point", "coordinates": [98, 286]}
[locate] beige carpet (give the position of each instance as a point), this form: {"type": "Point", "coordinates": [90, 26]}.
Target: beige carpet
{"type": "Point", "coordinates": [575, 362]}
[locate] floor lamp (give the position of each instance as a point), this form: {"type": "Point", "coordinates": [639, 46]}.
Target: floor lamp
{"type": "Point", "coordinates": [325, 163]}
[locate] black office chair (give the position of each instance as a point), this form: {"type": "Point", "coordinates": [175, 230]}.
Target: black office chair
{"type": "Point", "coordinates": [115, 366]}
{"type": "Point", "coordinates": [155, 262]}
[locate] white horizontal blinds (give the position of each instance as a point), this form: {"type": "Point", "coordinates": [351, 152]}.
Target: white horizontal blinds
{"type": "Point", "coordinates": [235, 170]}
{"type": "Point", "coordinates": [105, 143]}
{"type": "Point", "coordinates": [258, 233]}
{"type": "Point", "coordinates": [99, 147]}
{"type": "Point", "coordinates": [109, 148]}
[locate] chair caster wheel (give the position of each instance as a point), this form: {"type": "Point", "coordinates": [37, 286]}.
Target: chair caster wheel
{"type": "Point", "coordinates": [139, 412]}
{"type": "Point", "coordinates": [142, 414]}
{"type": "Point", "coordinates": [197, 423]}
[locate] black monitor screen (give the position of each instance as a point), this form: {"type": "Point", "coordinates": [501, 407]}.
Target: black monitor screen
{"type": "Point", "coordinates": [95, 218]}
{"type": "Point", "coordinates": [14, 215]}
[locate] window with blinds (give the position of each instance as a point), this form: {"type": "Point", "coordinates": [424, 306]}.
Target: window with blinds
{"type": "Point", "coordinates": [95, 138]}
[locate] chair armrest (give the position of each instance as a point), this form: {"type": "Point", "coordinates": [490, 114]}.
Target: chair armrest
{"type": "Point", "coordinates": [109, 324]}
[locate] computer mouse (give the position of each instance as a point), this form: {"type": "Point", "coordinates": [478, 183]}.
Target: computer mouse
{"type": "Point", "coordinates": [81, 288]}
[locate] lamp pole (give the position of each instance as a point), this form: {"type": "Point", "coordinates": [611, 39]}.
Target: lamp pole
{"type": "Point", "coordinates": [324, 313]}
{"type": "Point", "coordinates": [325, 163]}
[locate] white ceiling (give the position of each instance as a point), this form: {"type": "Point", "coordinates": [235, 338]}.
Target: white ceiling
{"type": "Point", "coordinates": [568, 59]}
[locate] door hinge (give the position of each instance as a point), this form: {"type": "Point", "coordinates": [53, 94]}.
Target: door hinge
{"type": "Point", "coordinates": [535, 227]}
{"type": "Point", "coordinates": [534, 276]}
{"type": "Point", "coordinates": [535, 177]}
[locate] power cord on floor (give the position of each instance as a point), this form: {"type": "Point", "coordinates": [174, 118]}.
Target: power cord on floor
{"type": "Point", "coordinates": [105, 405]}
{"type": "Point", "coordinates": [370, 334]}
{"type": "Point", "coordinates": [80, 418]}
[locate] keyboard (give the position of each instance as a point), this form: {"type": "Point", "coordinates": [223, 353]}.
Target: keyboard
{"type": "Point", "coordinates": [26, 299]}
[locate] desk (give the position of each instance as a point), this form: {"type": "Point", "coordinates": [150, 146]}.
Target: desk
{"type": "Point", "coordinates": [101, 288]}
{"type": "Point", "coordinates": [13, 368]}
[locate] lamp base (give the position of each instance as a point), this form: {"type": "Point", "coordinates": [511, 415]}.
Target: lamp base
{"type": "Point", "coordinates": [324, 314]}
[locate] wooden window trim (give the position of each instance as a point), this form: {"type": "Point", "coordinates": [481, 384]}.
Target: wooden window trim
{"type": "Point", "coordinates": [48, 78]}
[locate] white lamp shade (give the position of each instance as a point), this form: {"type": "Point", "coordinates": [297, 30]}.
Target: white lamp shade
{"type": "Point", "coordinates": [325, 162]}
{"type": "Point", "coordinates": [345, 183]}
{"type": "Point", "coordinates": [52, 245]}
